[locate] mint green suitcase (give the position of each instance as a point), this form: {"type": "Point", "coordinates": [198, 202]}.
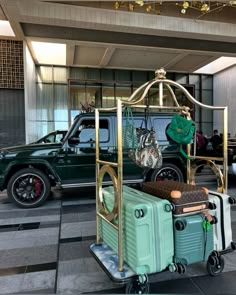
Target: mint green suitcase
{"type": "Point", "coordinates": [193, 242]}
{"type": "Point", "coordinates": [148, 245]}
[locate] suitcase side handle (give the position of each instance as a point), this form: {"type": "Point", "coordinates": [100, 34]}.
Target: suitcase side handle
{"type": "Point", "coordinates": [232, 200]}
{"type": "Point", "coordinates": [212, 206]}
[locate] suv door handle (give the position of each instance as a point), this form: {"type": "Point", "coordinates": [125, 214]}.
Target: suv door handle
{"type": "Point", "coordinates": [106, 155]}
{"type": "Point", "coordinates": [61, 156]}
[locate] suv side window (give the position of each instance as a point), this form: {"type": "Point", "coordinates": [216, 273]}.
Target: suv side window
{"type": "Point", "coordinates": [160, 125]}
{"type": "Point", "coordinates": [50, 138]}
{"type": "Point", "coordinates": [59, 137]}
{"type": "Point", "coordinates": [86, 132]}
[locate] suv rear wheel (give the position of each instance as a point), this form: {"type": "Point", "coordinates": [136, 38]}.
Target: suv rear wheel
{"type": "Point", "coordinates": [167, 172]}
{"type": "Point", "coordinates": [28, 188]}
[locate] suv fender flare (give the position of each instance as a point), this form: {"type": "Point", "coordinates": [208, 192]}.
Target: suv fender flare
{"type": "Point", "coordinates": [29, 163]}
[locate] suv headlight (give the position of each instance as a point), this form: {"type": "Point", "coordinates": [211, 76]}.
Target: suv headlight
{"type": "Point", "coordinates": [3, 153]}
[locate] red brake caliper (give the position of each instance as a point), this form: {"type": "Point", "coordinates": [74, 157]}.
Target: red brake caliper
{"type": "Point", "coordinates": [38, 186]}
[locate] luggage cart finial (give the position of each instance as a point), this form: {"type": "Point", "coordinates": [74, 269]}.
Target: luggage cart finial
{"type": "Point", "coordinates": [160, 73]}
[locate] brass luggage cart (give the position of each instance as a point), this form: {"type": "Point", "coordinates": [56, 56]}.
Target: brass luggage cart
{"type": "Point", "coordinates": [113, 263]}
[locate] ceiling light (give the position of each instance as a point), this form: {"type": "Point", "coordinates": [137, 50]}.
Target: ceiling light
{"type": "Point", "coordinates": [140, 2]}
{"type": "Point", "coordinates": [183, 11]}
{"type": "Point", "coordinates": [6, 29]}
{"type": "Point", "coordinates": [50, 53]}
{"type": "Point", "coordinates": [131, 7]}
{"type": "Point", "coordinates": [185, 4]}
{"type": "Point", "coordinates": [205, 7]}
{"type": "Point", "coordinates": [149, 8]}
{"type": "Point", "coordinates": [116, 5]}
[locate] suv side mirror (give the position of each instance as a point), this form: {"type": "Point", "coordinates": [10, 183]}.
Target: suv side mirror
{"type": "Point", "coordinates": [73, 140]}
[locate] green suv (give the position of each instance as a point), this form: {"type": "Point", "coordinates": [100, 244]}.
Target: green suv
{"type": "Point", "coordinates": [28, 172]}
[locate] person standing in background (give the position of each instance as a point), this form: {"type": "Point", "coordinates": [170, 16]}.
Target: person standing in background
{"type": "Point", "coordinates": [215, 139]}
{"type": "Point", "coordinates": [201, 143]}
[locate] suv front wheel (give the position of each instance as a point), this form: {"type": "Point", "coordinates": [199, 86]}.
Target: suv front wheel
{"type": "Point", "coordinates": [28, 188]}
{"type": "Point", "coordinates": [168, 171]}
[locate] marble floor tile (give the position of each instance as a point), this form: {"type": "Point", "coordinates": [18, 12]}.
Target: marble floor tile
{"type": "Point", "coordinates": [42, 282]}
{"type": "Point", "coordinates": [78, 229]}
{"type": "Point", "coordinates": [11, 284]}
{"type": "Point", "coordinates": [28, 256]}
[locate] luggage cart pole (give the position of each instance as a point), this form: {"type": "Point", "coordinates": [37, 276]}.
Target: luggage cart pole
{"type": "Point", "coordinates": [225, 147]}
{"type": "Point", "coordinates": [120, 181]}
{"type": "Point", "coordinates": [97, 173]}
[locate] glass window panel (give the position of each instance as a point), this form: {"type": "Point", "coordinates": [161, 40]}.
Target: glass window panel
{"type": "Point", "coordinates": [73, 114]}
{"type": "Point", "coordinates": [170, 76]}
{"type": "Point", "coordinates": [122, 75]}
{"type": "Point", "coordinates": [197, 114]}
{"type": "Point", "coordinates": [207, 129]}
{"type": "Point", "coordinates": [84, 96]}
{"type": "Point", "coordinates": [207, 82]}
{"type": "Point", "coordinates": [183, 99]}
{"type": "Point", "coordinates": [44, 103]}
{"type": "Point", "coordinates": [44, 74]}
{"type": "Point", "coordinates": [93, 74]}
{"type": "Point", "coordinates": [77, 73]}
{"type": "Point", "coordinates": [207, 97]}
{"type": "Point", "coordinates": [61, 125]}
{"type": "Point", "coordinates": [154, 98]}
{"type": "Point", "coordinates": [43, 128]}
{"type": "Point", "coordinates": [151, 75]}
{"type": "Point", "coordinates": [94, 95]}
{"type": "Point", "coordinates": [108, 96]}
{"type": "Point", "coordinates": [60, 74]}
{"type": "Point", "coordinates": [77, 95]}
{"type": "Point", "coordinates": [196, 94]}
{"type": "Point", "coordinates": [60, 103]}
{"type": "Point", "coordinates": [140, 76]}
{"type": "Point", "coordinates": [195, 79]}
{"type": "Point", "coordinates": [107, 75]}
{"type": "Point", "coordinates": [181, 78]}
{"type": "Point", "coordinates": [123, 91]}
{"type": "Point", "coordinates": [207, 115]}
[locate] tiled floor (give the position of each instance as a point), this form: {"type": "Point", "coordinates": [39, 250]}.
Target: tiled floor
{"type": "Point", "coordinates": [45, 251]}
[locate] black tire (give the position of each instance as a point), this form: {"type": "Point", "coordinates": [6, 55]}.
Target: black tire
{"type": "Point", "coordinates": [28, 188]}
{"type": "Point", "coordinates": [215, 266]}
{"type": "Point", "coordinates": [167, 172]}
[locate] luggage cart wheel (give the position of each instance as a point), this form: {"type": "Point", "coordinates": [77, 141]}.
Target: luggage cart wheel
{"type": "Point", "coordinates": [172, 267]}
{"type": "Point", "coordinates": [181, 269]}
{"type": "Point", "coordinates": [136, 287]}
{"type": "Point", "coordinates": [233, 246]}
{"type": "Point", "coordinates": [215, 265]}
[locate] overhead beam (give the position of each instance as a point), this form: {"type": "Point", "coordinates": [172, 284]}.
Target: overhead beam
{"type": "Point", "coordinates": [107, 56]}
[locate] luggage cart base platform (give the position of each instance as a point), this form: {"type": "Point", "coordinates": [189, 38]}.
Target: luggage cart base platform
{"type": "Point", "coordinates": [108, 260]}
